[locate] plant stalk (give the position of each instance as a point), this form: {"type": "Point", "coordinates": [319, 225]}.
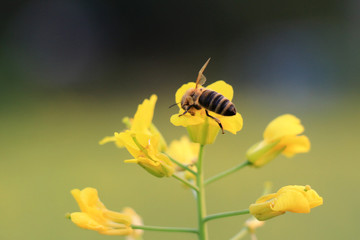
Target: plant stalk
{"type": "Point", "coordinates": [165, 229]}
{"type": "Point", "coordinates": [227, 172]}
{"type": "Point", "coordinates": [200, 197]}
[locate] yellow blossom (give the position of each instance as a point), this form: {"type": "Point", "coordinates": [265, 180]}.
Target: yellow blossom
{"type": "Point", "coordinates": [185, 152]}
{"type": "Point", "coordinates": [201, 128]}
{"type": "Point", "coordinates": [95, 216]}
{"type": "Point", "coordinates": [143, 141]}
{"type": "Point", "coordinates": [293, 198]}
{"type": "Point", "coordinates": [141, 123]}
{"type": "Point", "coordinates": [145, 150]}
{"type": "Point", "coordinates": [280, 136]}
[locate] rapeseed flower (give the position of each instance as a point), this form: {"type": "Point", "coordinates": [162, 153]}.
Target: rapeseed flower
{"type": "Point", "coordinates": [95, 216]}
{"type": "Point", "coordinates": [185, 152]}
{"type": "Point", "coordinates": [281, 136]}
{"type": "Point", "coordinates": [145, 150]}
{"type": "Point", "coordinates": [140, 123]}
{"type": "Point", "coordinates": [201, 128]}
{"type": "Point", "coordinates": [143, 141]}
{"type": "Point", "coordinates": [293, 198]}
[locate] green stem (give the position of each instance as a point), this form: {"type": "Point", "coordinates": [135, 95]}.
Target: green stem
{"type": "Point", "coordinates": [200, 197]}
{"type": "Point", "coordinates": [181, 165]}
{"type": "Point", "coordinates": [226, 214]}
{"type": "Point", "coordinates": [240, 234]}
{"type": "Point", "coordinates": [165, 229]}
{"type": "Point", "coordinates": [186, 182]}
{"type": "Point", "coordinates": [227, 172]}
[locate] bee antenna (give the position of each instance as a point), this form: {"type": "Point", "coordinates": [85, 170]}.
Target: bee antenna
{"type": "Point", "coordinates": [172, 105]}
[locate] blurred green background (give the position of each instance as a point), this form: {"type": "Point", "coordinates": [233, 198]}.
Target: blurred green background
{"type": "Point", "coordinates": [71, 70]}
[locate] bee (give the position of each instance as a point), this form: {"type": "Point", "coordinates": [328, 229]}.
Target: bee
{"type": "Point", "coordinates": [198, 98]}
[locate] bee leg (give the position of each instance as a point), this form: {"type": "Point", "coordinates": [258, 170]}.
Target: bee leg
{"type": "Point", "coordinates": [216, 120]}
{"type": "Point", "coordinates": [184, 112]}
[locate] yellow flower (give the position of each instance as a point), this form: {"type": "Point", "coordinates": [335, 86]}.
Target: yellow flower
{"type": "Point", "coordinates": [143, 141]}
{"type": "Point", "coordinates": [145, 150]}
{"type": "Point", "coordinates": [185, 152]}
{"type": "Point", "coordinates": [95, 216]}
{"type": "Point", "coordinates": [201, 128]}
{"type": "Point", "coordinates": [293, 198]}
{"type": "Point", "coordinates": [280, 136]}
{"type": "Point", "coordinates": [141, 123]}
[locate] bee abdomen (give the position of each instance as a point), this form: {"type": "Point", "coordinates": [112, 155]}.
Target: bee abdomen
{"type": "Point", "coordinates": [217, 103]}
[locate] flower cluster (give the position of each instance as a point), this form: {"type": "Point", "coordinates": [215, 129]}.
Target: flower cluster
{"type": "Point", "coordinates": [183, 160]}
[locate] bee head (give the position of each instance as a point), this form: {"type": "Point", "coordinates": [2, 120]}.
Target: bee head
{"type": "Point", "coordinates": [187, 100]}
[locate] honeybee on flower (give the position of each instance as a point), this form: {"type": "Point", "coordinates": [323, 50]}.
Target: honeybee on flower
{"type": "Point", "coordinates": [197, 101]}
{"type": "Point", "coordinates": [210, 100]}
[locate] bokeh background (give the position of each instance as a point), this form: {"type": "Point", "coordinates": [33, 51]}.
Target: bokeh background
{"type": "Point", "coordinates": [71, 70]}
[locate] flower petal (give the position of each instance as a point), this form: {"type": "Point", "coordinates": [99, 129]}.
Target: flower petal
{"type": "Point", "coordinates": [144, 115]}
{"type": "Point", "coordinates": [295, 144]}
{"type": "Point", "coordinates": [223, 88]}
{"type": "Point", "coordinates": [186, 120]}
{"type": "Point", "coordinates": [292, 201]}
{"type": "Point", "coordinates": [83, 220]}
{"type": "Point", "coordinates": [232, 124]}
{"type": "Point", "coordinates": [283, 125]}
{"type": "Point", "coordinates": [184, 151]}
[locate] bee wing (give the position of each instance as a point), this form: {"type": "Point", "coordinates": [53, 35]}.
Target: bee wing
{"type": "Point", "coordinates": [201, 78]}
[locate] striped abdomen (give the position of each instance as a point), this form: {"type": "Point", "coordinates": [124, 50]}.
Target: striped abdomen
{"type": "Point", "coordinates": [217, 103]}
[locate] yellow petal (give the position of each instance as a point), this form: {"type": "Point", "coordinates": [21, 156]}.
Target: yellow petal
{"type": "Point", "coordinates": [184, 151]}
{"type": "Point", "coordinates": [295, 144]}
{"type": "Point", "coordinates": [90, 197]}
{"type": "Point", "coordinates": [130, 145]}
{"type": "Point", "coordinates": [76, 195]}
{"type": "Point", "coordinates": [311, 195]}
{"type": "Point", "coordinates": [314, 199]}
{"type": "Point", "coordinates": [223, 88]}
{"type": "Point", "coordinates": [144, 115]}
{"type": "Point", "coordinates": [232, 124]}
{"type": "Point", "coordinates": [83, 220]}
{"type": "Point", "coordinates": [292, 201]}
{"type": "Point", "coordinates": [186, 120]}
{"type": "Point", "coordinates": [282, 126]}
